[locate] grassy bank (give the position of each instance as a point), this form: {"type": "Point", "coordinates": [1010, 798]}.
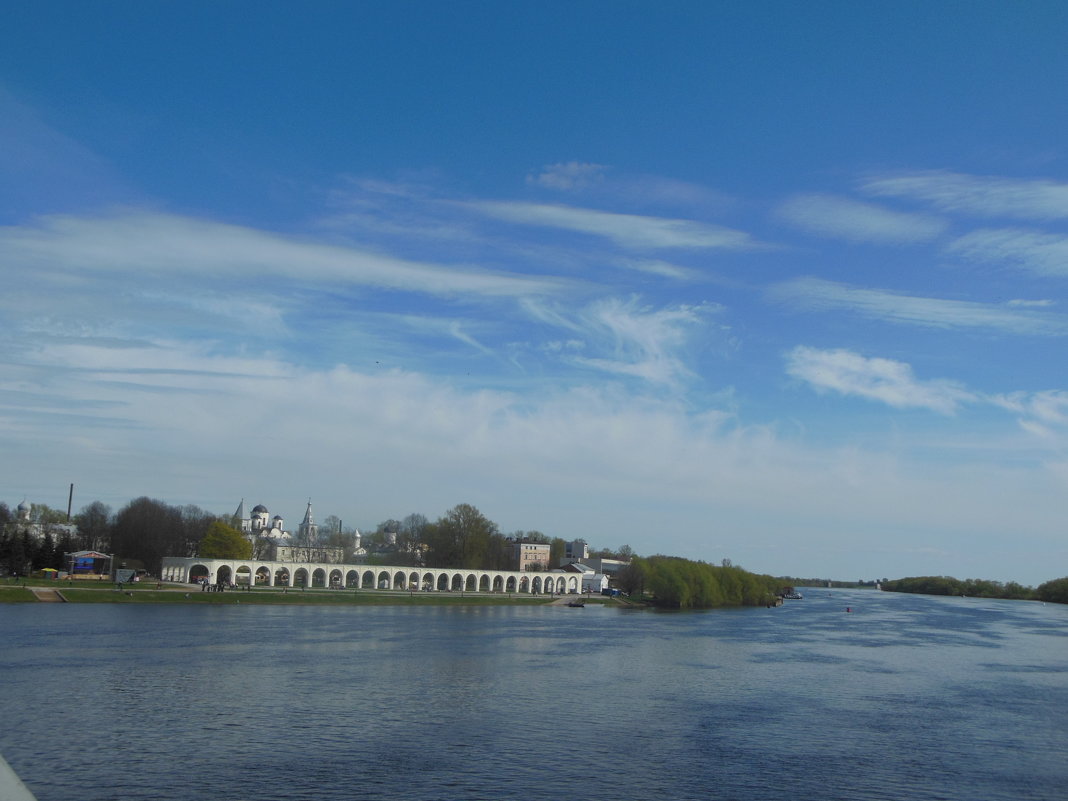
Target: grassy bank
{"type": "Point", "coordinates": [146, 593]}
{"type": "Point", "coordinates": [11, 594]}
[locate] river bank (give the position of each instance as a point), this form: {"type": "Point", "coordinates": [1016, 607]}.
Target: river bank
{"type": "Point", "coordinates": [78, 592]}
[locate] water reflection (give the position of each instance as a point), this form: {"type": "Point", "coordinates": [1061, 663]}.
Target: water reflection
{"type": "Point", "coordinates": [904, 697]}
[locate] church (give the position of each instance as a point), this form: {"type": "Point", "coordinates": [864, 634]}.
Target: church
{"type": "Point", "coordinates": [271, 542]}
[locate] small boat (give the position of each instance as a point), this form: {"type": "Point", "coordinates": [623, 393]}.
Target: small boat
{"type": "Point", "coordinates": [794, 596]}
{"type": "Point", "coordinates": [578, 604]}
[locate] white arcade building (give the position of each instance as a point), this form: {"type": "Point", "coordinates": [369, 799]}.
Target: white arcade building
{"type": "Point", "coordinates": [245, 572]}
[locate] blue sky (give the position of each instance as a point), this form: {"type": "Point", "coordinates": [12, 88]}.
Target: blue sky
{"type": "Point", "coordinates": [778, 282]}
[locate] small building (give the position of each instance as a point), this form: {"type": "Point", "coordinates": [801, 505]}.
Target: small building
{"type": "Point", "coordinates": [592, 581]}
{"type": "Point", "coordinates": [610, 567]}
{"type": "Point", "coordinates": [530, 555]}
{"type": "Point", "coordinates": [576, 551]}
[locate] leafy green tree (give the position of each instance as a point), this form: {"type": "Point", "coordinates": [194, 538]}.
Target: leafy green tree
{"type": "Point", "coordinates": [1017, 591]}
{"type": "Point", "coordinates": [629, 578]}
{"type": "Point", "coordinates": [224, 542]}
{"type": "Point", "coordinates": [462, 538]}
{"type": "Point", "coordinates": [41, 513]}
{"type": "Point", "coordinates": [195, 524]}
{"type": "Point", "coordinates": [46, 552]}
{"type": "Point", "coordinates": [16, 550]}
{"type": "Point", "coordinates": [557, 550]}
{"type": "Point", "coordinates": [94, 526]}
{"type": "Point", "coordinates": [682, 583]}
{"type": "Point", "coordinates": [1055, 591]}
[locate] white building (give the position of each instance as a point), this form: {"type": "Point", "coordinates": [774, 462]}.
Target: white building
{"type": "Point", "coordinates": [270, 540]}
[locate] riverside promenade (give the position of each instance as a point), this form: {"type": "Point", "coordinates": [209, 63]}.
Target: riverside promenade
{"type": "Point", "coordinates": [260, 573]}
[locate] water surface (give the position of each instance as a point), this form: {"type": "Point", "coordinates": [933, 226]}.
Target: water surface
{"type": "Point", "coordinates": [905, 697]}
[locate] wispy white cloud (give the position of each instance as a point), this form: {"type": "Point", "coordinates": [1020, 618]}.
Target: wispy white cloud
{"type": "Point", "coordinates": [625, 230]}
{"type": "Point", "coordinates": [845, 218]}
{"type": "Point", "coordinates": [162, 244]}
{"type": "Point", "coordinates": [1044, 254]}
{"type": "Point", "coordinates": [659, 267]}
{"type": "Point", "coordinates": [1043, 414]}
{"type": "Point", "coordinates": [630, 190]}
{"type": "Point", "coordinates": [646, 342]}
{"type": "Point", "coordinates": [983, 195]}
{"type": "Point", "coordinates": [1023, 303]}
{"type": "Point", "coordinates": [815, 294]}
{"type": "Point", "coordinates": [567, 176]}
{"type": "Point", "coordinates": [890, 382]}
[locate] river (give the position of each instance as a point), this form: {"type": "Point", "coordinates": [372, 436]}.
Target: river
{"type": "Point", "coordinates": [905, 697]}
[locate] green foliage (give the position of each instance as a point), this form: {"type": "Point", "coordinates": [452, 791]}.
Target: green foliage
{"type": "Point", "coordinates": [557, 549]}
{"type": "Point", "coordinates": [94, 526]}
{"type": "Point", "coordinates": [947, 585]}
{"type": "Point", "coordinates": [685, 584]}
{"type": "Point", "coordinates": [1055, 591]}
{"type": "Point", "coordinates": [462, 538]}
{"type": "Point", "coordinates": [41, 513]}
{"type": "Point", "coordinates": [224, 542]}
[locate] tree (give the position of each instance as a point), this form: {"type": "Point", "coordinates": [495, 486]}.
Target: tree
{"type": "Point", "coordinates": [146, 530]}
{"type": "Point", "coordinates": [681, 583]}
{"type": "Point", "coordinates": [195, 524]}
{"type": "Point", "coordinates": [331, 533]}
{"type": "Point", "coordinates": [94, 526]}
{"type": "Point", "coordinates": [462, 538]}
{"type": "Point", "coordinates": [1055, 591]}
{"type": "Point", "coordinates": [40, 513]}
{"type": "Point", "coordinates": [557, 550]}
{"type": "Point", "coordinates": [46, 552]}
{"type": "Point", "coordinates": [16, 550]}
{"type": "Point", "coordinates": [224, 542]}
{"type": "Point", "coordinates": [629, 578]}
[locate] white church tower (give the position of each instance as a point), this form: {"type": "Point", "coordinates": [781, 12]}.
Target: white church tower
{"type": "Point", "coordinates": [309, 530]}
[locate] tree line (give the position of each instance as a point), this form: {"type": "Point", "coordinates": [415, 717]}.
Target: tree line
{"type": "Point", "coordinates": [678, 583]}
{"type": "Point", "coordinates": [142, 532]}
{"type": "Point", "coordinates": [145, 530]}
{"type": "Point", "coordinates": [1054, 591]}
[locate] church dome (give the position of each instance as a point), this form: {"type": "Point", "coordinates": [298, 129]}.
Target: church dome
{"type": "Point", "coordinates": [259, 509]}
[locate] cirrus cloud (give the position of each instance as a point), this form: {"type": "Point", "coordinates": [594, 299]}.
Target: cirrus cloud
{"type": "Point", "coordinates": [844, 218]}
{"type": "Point", "coordinates": [983, 195]}
{"type": "Point", "coordinates": [890, 382]}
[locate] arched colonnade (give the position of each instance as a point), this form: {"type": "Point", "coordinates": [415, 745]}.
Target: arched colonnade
{"type": "Point", "coordinates": [380, 577]}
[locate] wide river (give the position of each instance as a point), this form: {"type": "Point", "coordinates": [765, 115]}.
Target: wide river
{"type": "Point", "coordinates": [905, 697]}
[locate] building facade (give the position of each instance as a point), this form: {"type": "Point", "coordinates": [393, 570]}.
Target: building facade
{"type": "Point", "coordinates": [271, 542]}
{"type": "Point", "coordinates": [529, 555]}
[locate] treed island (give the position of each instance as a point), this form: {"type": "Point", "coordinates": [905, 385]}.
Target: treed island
{"type": "Point", "coordinates": [38, 544]}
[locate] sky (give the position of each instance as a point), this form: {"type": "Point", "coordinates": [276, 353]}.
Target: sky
{"type": "Point", "coordinates": [778, 282]}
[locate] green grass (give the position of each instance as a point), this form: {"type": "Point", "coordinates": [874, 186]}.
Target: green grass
{"type": "Point", "coordinates": [12, 594]}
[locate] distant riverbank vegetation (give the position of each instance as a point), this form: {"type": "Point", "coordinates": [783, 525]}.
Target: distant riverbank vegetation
{"type": "Point", "coordinates": [1055, 591]}
{"type": "Point", "coordinates": [146, 530]}
{"type": "Point", "coordinates": [678, 583]}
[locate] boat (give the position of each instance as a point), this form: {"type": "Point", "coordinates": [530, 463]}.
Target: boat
{"type": "Point", "coordinates": [794, 595]}
{"type": "Point", "coordinates": [578, 604]}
